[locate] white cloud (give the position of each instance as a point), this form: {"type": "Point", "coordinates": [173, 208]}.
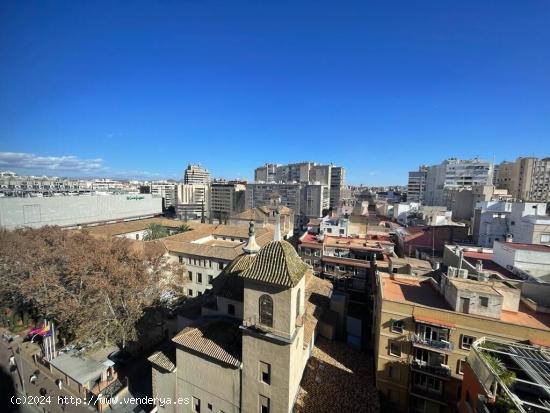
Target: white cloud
{"type": "Point", "coordinates": [15, 160]}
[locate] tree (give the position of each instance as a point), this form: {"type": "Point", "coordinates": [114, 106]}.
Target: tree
{"type": "Point", "coordinates": [155, 231]}
{"type": "Point", "coordinates": [183, 228]}
{"type": "Point", "coordinates": [93, 288]}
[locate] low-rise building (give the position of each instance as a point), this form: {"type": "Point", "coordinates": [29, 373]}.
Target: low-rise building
{"type": "Point", "coordinates": [525, 222]}
{"type": "Point", "coordinates": [424, 331]}
{"type": "Point", "coordinates": [528, 261]}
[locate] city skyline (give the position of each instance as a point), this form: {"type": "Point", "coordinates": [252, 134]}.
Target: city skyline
{"type": "Point", "coordinates": [234, 85]}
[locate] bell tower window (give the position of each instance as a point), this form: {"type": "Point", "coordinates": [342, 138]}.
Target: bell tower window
{"type": "Point", "coordinates": [266, 310]}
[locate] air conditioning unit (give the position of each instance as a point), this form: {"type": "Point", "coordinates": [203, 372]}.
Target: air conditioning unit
{"type": "Point", "coordinates": [463, 273]}
{"type": "Point", "coordinates": [452, 271]}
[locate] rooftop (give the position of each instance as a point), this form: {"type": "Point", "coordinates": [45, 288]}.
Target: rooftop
{"type": "Point", "coordinates": [217, 339]}
{"type": "Point", "coordinates": [165, 359]}
{"type": "Point", "coordinates": [110, 230]}
{"type": "Point", "coordinates": [423, 291]}
{"type": "Point", "coordinates": [527, 247]}
{"type": "Point", "coordinates": [277, 263]}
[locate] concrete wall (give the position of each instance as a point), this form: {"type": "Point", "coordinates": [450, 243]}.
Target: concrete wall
{"type": "Point", "coordinates": [75, 210]}
{"type": "Point", "coordinates": [208, 381]}
{"type": "Point", "coordinates": [164, 387]}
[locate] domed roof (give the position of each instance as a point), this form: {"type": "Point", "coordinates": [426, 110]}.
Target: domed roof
{"type": "Point", "coordinates": [277, 263]}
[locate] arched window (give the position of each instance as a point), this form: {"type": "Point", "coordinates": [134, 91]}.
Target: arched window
{"type": "Point", "coordinates": [298, 296]}
{"type": "Point", "coordinates": [266, 310]}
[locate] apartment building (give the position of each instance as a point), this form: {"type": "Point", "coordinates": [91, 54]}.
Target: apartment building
{"type": "Point", "coordinates": [193, 201]}
{"type": "Point", "coordinates": [196, 174]}
{"type": "Point", "coordinates": [262, 194]}
{"type": "Point", "coordinates": [166, 190]}
{"type": "Point", "coordinates": [526, 179]}
{"type": "Point", "coordinates": [462, 202]}
{"type": "Point", "coordinates": [454, 174]}
{"type": "Point", "coordinates": [424, 330]}
{"type": "Point", "coordinates": [416, 186]}
{"type": "Point", "coordinates": [525, 222]}
{"type": "Point", "coordinates": [331, 178]}
{"type": "Point", "coordinates": [226, 199]}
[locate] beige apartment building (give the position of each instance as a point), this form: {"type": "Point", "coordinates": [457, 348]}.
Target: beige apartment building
{"type": "Point", "coordinates": [424, 331]}
{"type": "Point", "coordinates": [526, 179]}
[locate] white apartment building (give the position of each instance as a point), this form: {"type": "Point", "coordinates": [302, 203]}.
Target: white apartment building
{"type": "Point", "coordinates": [166, 190]}
{"type": "Point", "coordinates": [307, 173]}
{"type": "Point", "coordinates": [529, 261]}
{"type": "Point", "coordinates": [525, 222]}
{"type": "Point", "coordinates": [196, 174]}
{"type": "Point", "coordinates": [454, 174]}
{"type": "Point", "coordinates": [192, 201]}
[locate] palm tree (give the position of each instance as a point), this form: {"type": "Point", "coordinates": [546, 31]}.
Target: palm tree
{"type": "Point", "coordinates": [183, 228]}
{"type": "Point", "coordinates": [154, 231]}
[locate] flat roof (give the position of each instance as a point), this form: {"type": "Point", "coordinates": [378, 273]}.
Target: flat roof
{"type": "Point", "coordinates": [526, 247]}
{"type": "Point", "coordinates": [413, 291]}
{"type": "Point", "coordinates": [117, 228]}
{"type": "Point", "coordinates": [421, 291]}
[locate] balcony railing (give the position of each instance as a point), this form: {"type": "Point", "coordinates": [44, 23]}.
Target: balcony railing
{"type": "Point", "coordinates": [438, 344]}
{"type": "Point", "coordinates": [433, 368]}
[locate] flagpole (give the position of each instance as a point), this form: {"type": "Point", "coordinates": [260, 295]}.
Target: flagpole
{"type": "Point", "coordinates": [53, 340]}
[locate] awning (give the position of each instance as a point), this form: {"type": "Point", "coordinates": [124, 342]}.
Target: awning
{"type": "Point", "coordinates": [433, 321]}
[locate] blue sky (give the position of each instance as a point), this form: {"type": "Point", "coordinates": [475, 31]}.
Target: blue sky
{"type": "Point", "coordinates": [142, 88]}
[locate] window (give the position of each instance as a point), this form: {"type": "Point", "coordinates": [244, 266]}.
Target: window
{"type": "Point", "coordinates": [308, 262]}
{"type": "Point", "coordinates": [180, 259]}
{"type": "Point", "coordinates": [397, 326]}
{"type": "Point", "coordinates": [545, 238]}
{"type": "Point", "coordinates": [298, 303]}
{"type": "Point", "coordinates": [196, 405]}
{"type": "Point", "coordinates": [266, 310]}
{"type": "Point", "coordinates": [428, 383]}
{"type": "Point", "coordinates": [265, 372]}
{"type": "Point", "coordinates": [342, 232]}
{"type": "Point", "coordinates": [394, 372]}
{"type": "Point", "coordinates": [460, 368]}
{"type": "Point", "coordinates": [190, 274]}
{"type": "Point", "coordinates": [307, 251]}
{"type": "Point", "coordinates": [466, 341]}
{"type": "Point", "coordinates": [137, 236]}
{"type": "Point", "coordinates": [221, 265]}
{"type": "Point", "coordinates": [210, 278]}
{"type": "Point", "coordinates": [199, 293]}
{"type": "Point", "coordinates": [209, 406]}
{"type": "Point", "coordinates": [199, 278]}
{"type": "Point", "coordinates": [230, 309]}
{"type": "Point", "coordinates": [329, 230]}
{"type": "Point", "coordinates": [395, 349]}
{"type": "Point", "coordinates": [484, 301]}
{"type": "Point", "coordinates": [190, 293]}
{"type": "Point", "coordinates": [317, 253]}
{"type": "Point", "coordinates": [264, 404]}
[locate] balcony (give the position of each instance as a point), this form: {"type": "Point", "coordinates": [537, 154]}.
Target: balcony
{"type": "Point", "coordinates": [431, 368]}
{"type": "Point", "coordinates": [435, 344]}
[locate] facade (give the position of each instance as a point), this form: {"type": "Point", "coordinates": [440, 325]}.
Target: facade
{"type": "Point", "coordinates": [226, 199]}
{"type": "Point", "coordinates": [463, 201]}
{"type": "Point", "coordinates": [525, 222]}
{"type": "Point", "coordinates": [74, 211]}
{"type": "Point", "coordinates": [316, 199]}
{"type": "Point", "coordinates": [193, 201]}
{"type": "Point", "coordinates": [454, 174]}
{"type": "Point", "coordinates": [528, 261]}
{"type": "Point", "coordinates": [338, 191]}
{"type": "Point", "coordinates": [331, 178]}
{"type": "Point", "coordinates": [165, 190]}
{"type": "Point", "coordinates": [425, 329]}
{"type": "Point", "coordinates": [416, 186]}
{"type": "Point", "coordinates": [196, 174]}
{"type": "Point", "coordinates": [526, 179]}
{"type": "Point", "coordinates": [261, 194]}
{"type": "Point", "coordinates": [250, 360]}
